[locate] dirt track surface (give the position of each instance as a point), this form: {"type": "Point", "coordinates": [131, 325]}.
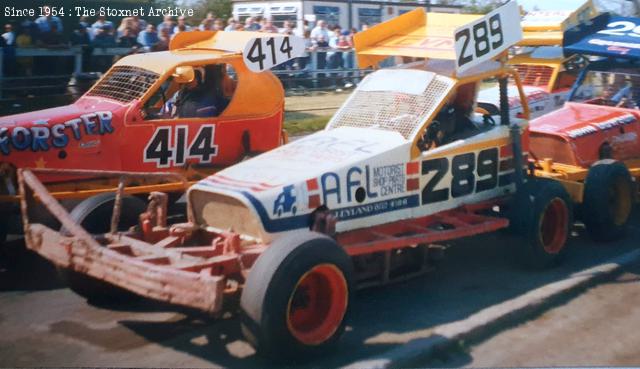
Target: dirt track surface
{"type": "Point", "coordinates": [597, 328]}
{"type": "Point", "coordinates": [45, 324]}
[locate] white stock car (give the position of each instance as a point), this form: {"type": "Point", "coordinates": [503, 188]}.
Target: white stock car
{"type": "Point", "coordinates": [404, 163]}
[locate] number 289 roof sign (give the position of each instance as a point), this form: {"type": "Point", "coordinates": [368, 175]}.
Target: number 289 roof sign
{"type": "Point", "coordinates": [605, 35]}
{"type": "Point", "coordinates": [466, 39]}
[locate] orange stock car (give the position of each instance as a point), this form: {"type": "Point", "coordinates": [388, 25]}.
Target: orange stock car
{"type": "Point", "coordinates": [125, 122]}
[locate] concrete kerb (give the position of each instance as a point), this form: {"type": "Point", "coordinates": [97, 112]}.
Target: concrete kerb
{"type": "Point", "coordinates": [448, 335]}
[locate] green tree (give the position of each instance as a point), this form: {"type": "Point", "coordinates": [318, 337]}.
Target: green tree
{"type": "Point", "coordinates": [481, 8]}
{"type": "Point", "coordinates": [220, 8]}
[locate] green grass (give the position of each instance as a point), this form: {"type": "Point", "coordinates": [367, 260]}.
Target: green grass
{"type": "Point", "coordinates": [296, 125]}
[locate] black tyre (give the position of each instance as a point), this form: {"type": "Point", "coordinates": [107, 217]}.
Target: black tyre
{"type": "Point", "coordinates": [296, 298]}
{"type": "Point", "coordinates": [608, 200]}
{"type": "Point", "coordinates": [94, 215]}
{"type": "Point", "coordinates": [542, 216]}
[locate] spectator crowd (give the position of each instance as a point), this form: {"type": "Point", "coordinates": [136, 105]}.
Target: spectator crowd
{"type": "Point", "coordinates": [331, 43]}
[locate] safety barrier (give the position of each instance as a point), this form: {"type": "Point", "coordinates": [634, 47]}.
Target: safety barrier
{"type": "Point", "coordinates": [312, 75]}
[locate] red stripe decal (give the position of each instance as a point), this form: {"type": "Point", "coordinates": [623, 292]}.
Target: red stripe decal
{"type": "Point", "coordinates": [413, 184]}
{"type": "Point", "coordinates": [314, 201]}
{"type": "Point", "coordinates": [312, 184]}
{"type": "Point", "coordinates": [412, 167]}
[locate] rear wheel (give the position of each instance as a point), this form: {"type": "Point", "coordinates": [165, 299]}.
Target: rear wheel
{"type": "Point", "coordinates": [608, 199]}
{"type": "Point", "coordinates": [296, 298]}
{"type": "Point", "coordinates": [94, 215]}
{"type": "Point", "coordinates": [542, 216]}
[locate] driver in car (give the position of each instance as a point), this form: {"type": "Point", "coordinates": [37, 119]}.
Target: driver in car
{"type": "Point", "coordinates": [196, 99]}
{"type": "Point", "coordinates": [452, 121]}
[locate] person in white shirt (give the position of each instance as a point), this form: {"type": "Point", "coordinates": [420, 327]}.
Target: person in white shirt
{"type": "Point", "coordinates": [101, 23]}
{"type": "Point", "coordinates": [231, 25]}
{"type": "Point", "coordinates": [8, 35]}
{"type": "Point", "coordinates": [320, 30]}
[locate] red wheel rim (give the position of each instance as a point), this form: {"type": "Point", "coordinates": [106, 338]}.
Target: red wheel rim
{"type": "Point", "coordinates": [553, 226]}
{"type": "Point", "coordinates": [317, 304]}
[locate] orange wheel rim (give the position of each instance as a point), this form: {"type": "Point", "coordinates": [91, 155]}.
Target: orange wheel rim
{"type": "Point", "coordinates": [317, 304]}
{"type": "Point", "coordinates": [553, 226]}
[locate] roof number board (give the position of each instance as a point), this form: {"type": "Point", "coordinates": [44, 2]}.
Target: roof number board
{"type": "Point", "coordinates": [488, 36]}
{"type": "Point", "coordinates": [262, 53]}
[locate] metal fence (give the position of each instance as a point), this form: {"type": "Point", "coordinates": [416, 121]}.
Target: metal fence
{"type": "Point", "coordinates": [309, 72]}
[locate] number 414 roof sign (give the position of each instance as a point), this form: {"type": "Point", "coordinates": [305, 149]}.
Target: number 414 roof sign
{"type": "Point", "coordinates": [488, 36]}
{"type": "Point", "coordinates": [268, 50]}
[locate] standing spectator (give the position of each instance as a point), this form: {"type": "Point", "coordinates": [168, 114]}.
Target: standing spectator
{"type": "Point", "coordinates": [334, 57]}
{"type": "Point", "coordinates": [125, 23]}
{"type": "Point", "coordinates": [210, 16]}
{"type": "Point", "coordinates": [218, 25]}
{"type": "Point", "coordinates": [148, 37]}
{"type": "Point", "coordinates": [103, 38]}
{"type": "Point", "coordinates": [167, 23]}
{"type": "Point", "coordinates": [304, 60]}
{"type": "Point", "coordinates": [239, 27]}
{"type": "Point", "coordinates": [100, 24]}
{"type": "Point", "coordinates": [23, 40]}
{"type": "Point", "coordinates": [287, 28]}
{"type": "Point", "coordinates": [8, 41]}
{"type": "Point", "coordinates": [268, 27]}
{"type": "Point", "coordinates": [137, 25]}
{"type": "Point", "coordinates": [231, 25]}
{"type": "Point", "coordinates": [84, 22]}
{"type": "Point", "coordinates": [128, 39]}
{"type": "Point", "coordinates": [320, 43]}
{"type": "Point", "coordinates": [8, 35]}
{"type": "Point", "coordinates": [163, 40]}
{"type": "Point", "coordinates": [348, 57]}
{"type": "Point", "coordinates": [320, 30]}
{"type": "Point", "coordinates": [250, 24]}
{"type": "Point", "coordinates": [206, 24]}
{"type": "Point", "coordinates": [45, 22]}
{"type": "Point", "coordinates": [50, 64]}
{"type": "Point", "coordinates": [181, 26]}
{"type": "Point", "coordinates": [80, 36]}
{"type": "Point", "coordinates": [52, 37]}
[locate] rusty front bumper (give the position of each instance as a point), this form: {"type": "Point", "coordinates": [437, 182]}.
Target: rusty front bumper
{"type": "Point", "coordinates": [153, 270]}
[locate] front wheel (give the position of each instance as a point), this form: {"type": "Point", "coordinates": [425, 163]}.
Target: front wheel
{"type": "Point", "coordinates": [94, 215]}
{"type": "Point", "coordinates": [542, 217]}
{"type": "Point", "coordinates": [296, 298]}
{"type": "Point", "coordinates": [608, 199]}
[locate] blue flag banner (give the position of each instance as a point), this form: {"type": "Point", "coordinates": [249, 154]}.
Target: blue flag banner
{"type": "Point", "coordinates": [605, 35]}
